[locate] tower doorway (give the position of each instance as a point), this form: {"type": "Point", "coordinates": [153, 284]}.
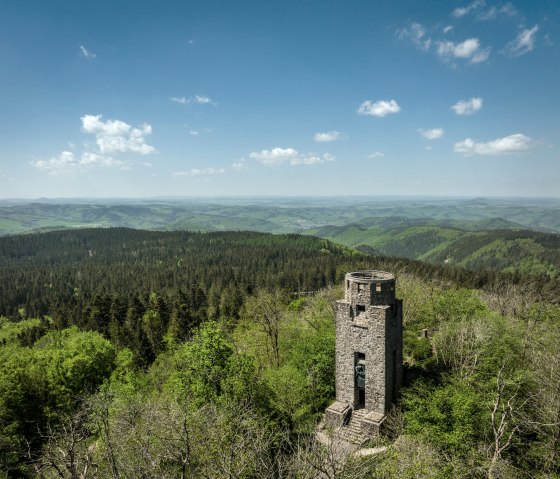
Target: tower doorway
{"type": "Point", "coordinates": [359, 380]}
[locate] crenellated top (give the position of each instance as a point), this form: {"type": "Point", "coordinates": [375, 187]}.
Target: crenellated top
{"type": "Point", "coordinates": [365, 288]}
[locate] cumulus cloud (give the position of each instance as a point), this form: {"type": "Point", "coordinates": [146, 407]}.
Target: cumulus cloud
{"type": "Point", "coordinates": [467, 107]}
{"type": "Point", "coordinates": [194, 100]}
{"type": "Point", "coordinates": [116, 136]}
{"type": "Point", "coordinates": [379, 108]}
{"type": "Point", "coordinates": [432, 134]}
{"type": "Point", "coordinates": [512, 144]}
{"type": "Point", "coordinates": [523, 43]}
{"type": "Point", "coordinates": [469, 49]}
{"type": "Point", "coordinates": [200, 172]}
{"type": "Point", "coordinates": [112, 137]}
{"type": "Point", "coordinates": [447, 29]}
{"type": "Point", "coordinates": [416, 33]}
{"type": "Point", "coordinates": [67, 162]}
{"type": "Point", "coordinates": [376, 154]}
{"type": "Point", "coordinates": [87, 53]}
{"type": "Point", "coordinates": [462, 11]}
{"type": "Point", "coordinates": [277, 156]}
{"type": "Point", "coordinates": [327, 136]}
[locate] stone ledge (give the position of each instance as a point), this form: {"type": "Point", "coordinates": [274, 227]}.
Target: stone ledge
{"type": "Point", "coordinates": [360, 323]}
{"type": "Point", "coordinates": [372, 423]}
{"type": "Point", "coordinates": [337, 414]}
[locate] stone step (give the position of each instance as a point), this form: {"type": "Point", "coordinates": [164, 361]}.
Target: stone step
{"type": "Point", "coordinates": [352, 431]}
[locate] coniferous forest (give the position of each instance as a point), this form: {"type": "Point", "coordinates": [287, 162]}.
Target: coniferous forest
{"type": "Point", "coordinates": [128, 354]}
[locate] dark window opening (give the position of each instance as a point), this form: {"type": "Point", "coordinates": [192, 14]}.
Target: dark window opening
{"type": "Point", "coordinates": [361, 287]}
{"type": "Point", "coordinates": [360, 308]}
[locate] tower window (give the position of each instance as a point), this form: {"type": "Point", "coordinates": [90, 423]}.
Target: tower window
{"type": "Point", "coordinates": [378, 287]}
{"type": "Point", "coordinates": [361, 287]}
{"type": "Point", "coordinates": [360, 308]}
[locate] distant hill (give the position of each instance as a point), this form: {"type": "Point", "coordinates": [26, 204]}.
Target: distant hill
{"type": "Point", "coordinates": [278, 215]}
{"type": "Point", "coordinates": [474, 245]}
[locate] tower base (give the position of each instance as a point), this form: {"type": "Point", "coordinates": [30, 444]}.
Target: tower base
{"type": "Point", "coordinates": [358, 425]}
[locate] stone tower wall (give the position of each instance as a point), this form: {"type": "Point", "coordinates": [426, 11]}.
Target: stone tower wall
{"type": "Point", "coordinates": [369, 321]}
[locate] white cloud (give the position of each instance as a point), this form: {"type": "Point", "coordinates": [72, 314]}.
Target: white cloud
{"type": "Point", "coordinates": [467, 107]}
{"type": "Point", "coordinates": [200, 172]}
{"type": "Point", "coordinates": [329, 136]}
{"type": "Point", "coordinates": [432, 134]}
{"type": "Point", "coordinates": [491, 14]}
{"type": "Point", "coordinates": [67, 162]}
{"type": "Point", "coordinates": [512, 144]}
{"type": "Point", "coordinates": [87, 53]}
{"type": "Point", "coordinates": [112, 137]}
{"type": "Point", "coordinates": [523, 43]}
{"type": "Point", "coordinates": [462, 11]}
{"type": "Point", "coordinates": [194, 100]}
{"type": "Point", "coordinates": [379, 108]}
{"type": "Point", "coordinates": [116, 136]}
{"type": "Point", "coordinates": [416, 33]}
{"type": "Point", "coordinates": [277, 156]}
{"type": "Point", "coordinates": [202, 99]}
{"type": "Point", "coordinates": [311, 159]}
{"type": "Point", "coordinates": [240, 165]}
{"type": "Point", "coordinates": [194, 133]}
{"type": "Point", "coordinates": [469, 49]}
{"type": "Point", "coordinates": [376, 154]}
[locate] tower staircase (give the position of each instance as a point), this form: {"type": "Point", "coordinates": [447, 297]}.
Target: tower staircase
{"type": "Point", "coordinates": [352, 431]}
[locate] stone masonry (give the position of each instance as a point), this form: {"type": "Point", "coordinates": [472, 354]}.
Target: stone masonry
{"type": "Point", "coordinates": [369, 351]}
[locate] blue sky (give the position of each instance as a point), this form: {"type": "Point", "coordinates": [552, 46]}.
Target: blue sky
{"type": "Point", "coordinates": [153, 98]}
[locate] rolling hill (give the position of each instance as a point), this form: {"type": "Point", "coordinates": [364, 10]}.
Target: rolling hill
{"type": "Point", "coordinates": [440, 242]}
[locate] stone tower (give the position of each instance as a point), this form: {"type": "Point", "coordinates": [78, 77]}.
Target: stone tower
{"type": "Point", "coordinates": [369, 351]}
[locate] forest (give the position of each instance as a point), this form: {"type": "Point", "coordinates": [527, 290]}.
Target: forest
{"type": "Point", "coordinates": [144, 354]}
{"type": "Point", "coordinates": [496, 234]}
